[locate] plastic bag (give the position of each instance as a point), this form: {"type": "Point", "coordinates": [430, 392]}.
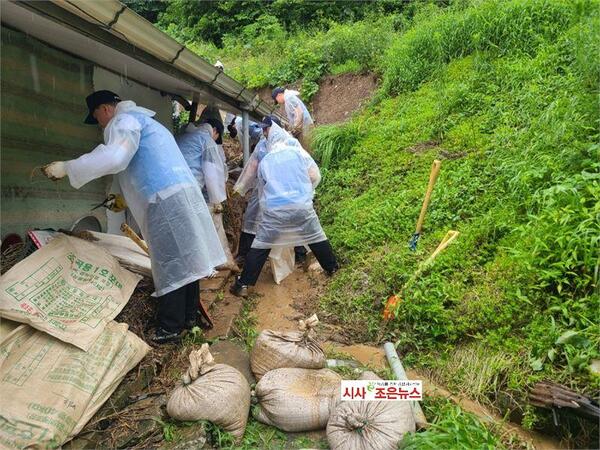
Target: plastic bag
{"type": "Point", "coordinates": [209, 391]}
{"type": "Point", "coordinates": [366, 425]}
{"type": "Point", "coordinates": [277, 349]}
{"type": "Point", "coordinates": [282, 262]}
{"type": "Point", "coordinates": [297, 399]}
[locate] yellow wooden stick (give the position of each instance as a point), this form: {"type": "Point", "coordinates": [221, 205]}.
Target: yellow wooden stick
{"type": "Point", "coordinates": [435, 171]}
{"type": "Point", "coordinates": [134, 237]}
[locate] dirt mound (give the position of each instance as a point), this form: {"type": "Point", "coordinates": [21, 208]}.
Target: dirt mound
{"type": "Point", "coordinates": [339, 96]}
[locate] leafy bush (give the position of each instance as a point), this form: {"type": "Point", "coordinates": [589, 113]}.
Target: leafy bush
{"type": "Point", "coordinates": [499, 27]}
{"type": "Point", "coordinates": [332, 144]}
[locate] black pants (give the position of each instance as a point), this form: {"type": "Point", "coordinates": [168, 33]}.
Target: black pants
{"type": "Point", "coordinates": [245, 245]}
{"type": "Point", "coordinates": [257, 257]}
{"type": "Point", "coordinates": [178, 306]}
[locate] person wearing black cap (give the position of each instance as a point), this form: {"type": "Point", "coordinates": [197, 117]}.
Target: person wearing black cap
{"type": "Point", "coordinates": [209, 167]}
{"type": "Point", "coordinates": [164, 198]}
{"type": "Point", "coordinates": [300, 122]}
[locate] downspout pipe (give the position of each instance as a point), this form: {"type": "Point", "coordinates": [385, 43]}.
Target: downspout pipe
{"type": "Point", "coordinates": [400, 374]}
{"type": "Point", "coordinates": [246, 136]}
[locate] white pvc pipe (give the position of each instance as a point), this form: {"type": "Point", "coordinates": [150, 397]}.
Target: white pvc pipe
{"type": "Point", "coordinates": [400, 373]}
{"type": "Point", "coordinates": [246, 136]}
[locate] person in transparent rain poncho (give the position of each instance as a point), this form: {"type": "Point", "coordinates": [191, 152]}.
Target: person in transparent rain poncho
{"type": "Point", "coordinates": [163, 197]}
{"type": "Point", "coordinates": [301, 123]}
{"type": "Point", "coordinates": [287, 178]}
{"type": "Point", "coordinates": [247, 182]}
{"type": "Point", "coordinates": [208, 165]}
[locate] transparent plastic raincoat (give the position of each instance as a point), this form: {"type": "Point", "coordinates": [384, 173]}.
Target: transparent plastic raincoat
{"type": "Point", "coordinates": [161, 193]}
{"type": "Point", "coordinates": [291, 103]}
{"type": "Point", "coordinates": [287, 178]}
{"type": "Point", "coordinates": [255, 132]}
{"type": "Point", "coordinates": [247, 181]}
{"type": "Point", "coordinates": [205, 160]}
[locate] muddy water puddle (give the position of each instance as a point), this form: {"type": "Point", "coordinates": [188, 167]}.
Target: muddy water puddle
{"type": "Point", "coordinates": [275, 307]}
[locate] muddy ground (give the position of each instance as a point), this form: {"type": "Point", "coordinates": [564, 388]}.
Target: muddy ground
{"type": "Point", "coordinates": [338, 96]}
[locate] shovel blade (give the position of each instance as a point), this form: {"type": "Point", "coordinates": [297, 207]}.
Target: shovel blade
{"type": "Point", "coordinates": [413, 241]}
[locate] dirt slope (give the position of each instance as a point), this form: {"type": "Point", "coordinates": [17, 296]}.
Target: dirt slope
{"type": "Point", "coordinates": [338, 96]}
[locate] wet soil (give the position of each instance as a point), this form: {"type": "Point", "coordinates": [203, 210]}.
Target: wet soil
{"type": "Point", "coordinates": [340, 96]}
{"type": "Point", "coordinates": [279, 307]}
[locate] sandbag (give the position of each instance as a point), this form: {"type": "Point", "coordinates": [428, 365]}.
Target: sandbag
{"type": "Point", "coordinates": [69, 288]}
{"type": "Point", "coordinates": [369, 425]}
{"type": "Point", "coordinates": [277, 349]}
{"type": "Point", "coordinates": [214, 392]}
{"type": "Point", "coordinates": [50, 389]}
{"type": "Point", "coordinates": [297, 399]}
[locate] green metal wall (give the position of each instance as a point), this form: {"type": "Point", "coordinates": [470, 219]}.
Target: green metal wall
{"type": "Point", "coordinates": [42, 109]}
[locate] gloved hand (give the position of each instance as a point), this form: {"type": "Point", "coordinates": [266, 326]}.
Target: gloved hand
{"type": "Point", "coordinates": [55, 171]}
{"type": "Point", "coordinates": [117, 203]}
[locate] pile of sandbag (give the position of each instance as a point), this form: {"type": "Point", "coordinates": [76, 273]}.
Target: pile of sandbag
{"type": "Point", "coordinates": [67, 355]}
{"type": "Point", "coordinates": [296, 393]}
{"type": "Point", "coordinates": [294, 390]}
{"type": "Point", "coordinates": [218, 393]}
{"type": "Point", "coordinates": [277, 349]}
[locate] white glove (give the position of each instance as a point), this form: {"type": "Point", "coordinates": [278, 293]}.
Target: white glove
{"type": "Point", "coordinates": [55, 171]}
{"type": "Point", "coordinates": [216, 208]}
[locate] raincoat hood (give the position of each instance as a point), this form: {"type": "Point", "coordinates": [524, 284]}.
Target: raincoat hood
{"type": "Point", "coordinates": [127, 106]}
{"type": "Point", "coordinates": [277, 135]}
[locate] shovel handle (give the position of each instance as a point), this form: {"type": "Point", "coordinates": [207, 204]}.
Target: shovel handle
{"type": "Point", "coordinates": [435, 170]}
{"type": "Point", "coordinates": [134, 237]}
{"type": "Point", "coordinates": [450, 236]}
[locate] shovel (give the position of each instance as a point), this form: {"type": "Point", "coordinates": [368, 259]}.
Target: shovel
{"type": "Point", "coordinates": [394, 300]}
{"type": "Point", "coordinates": [435, 170]}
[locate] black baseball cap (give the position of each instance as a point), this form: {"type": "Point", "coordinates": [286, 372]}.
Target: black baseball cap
{"type": "Point", "coordinates": [267, 121]}
{"type": "Point", "coordinates": [276, 92]}
{"type": "Point", "coordinates": [96, 99]}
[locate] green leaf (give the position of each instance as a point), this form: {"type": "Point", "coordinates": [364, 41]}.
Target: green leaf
{"type": "Point", "coordinates": [567, 337]}
{"type": "Point", "coordinates": [537, 364]}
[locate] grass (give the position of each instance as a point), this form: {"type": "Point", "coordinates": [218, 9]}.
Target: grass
{"type": "Point", "coordinates": [245, 322]}
{"type": "Point", "coordinates": [451, 429]}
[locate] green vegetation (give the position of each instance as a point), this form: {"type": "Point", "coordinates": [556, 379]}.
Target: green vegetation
{"type": "Point", "coordinates": [451, 429]}
{"type": "Point", "coordinates": [505, 93]}
{"type": "Point", "coordinates": [515, 122]}
{"type": "Point", "coordinates": [517, 131]}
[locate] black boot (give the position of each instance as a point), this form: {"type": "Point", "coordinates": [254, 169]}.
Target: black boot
{"type": "Point", "coordinates": [162, 336]}
{"type": "Point", "coordinates": [238, 289]}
